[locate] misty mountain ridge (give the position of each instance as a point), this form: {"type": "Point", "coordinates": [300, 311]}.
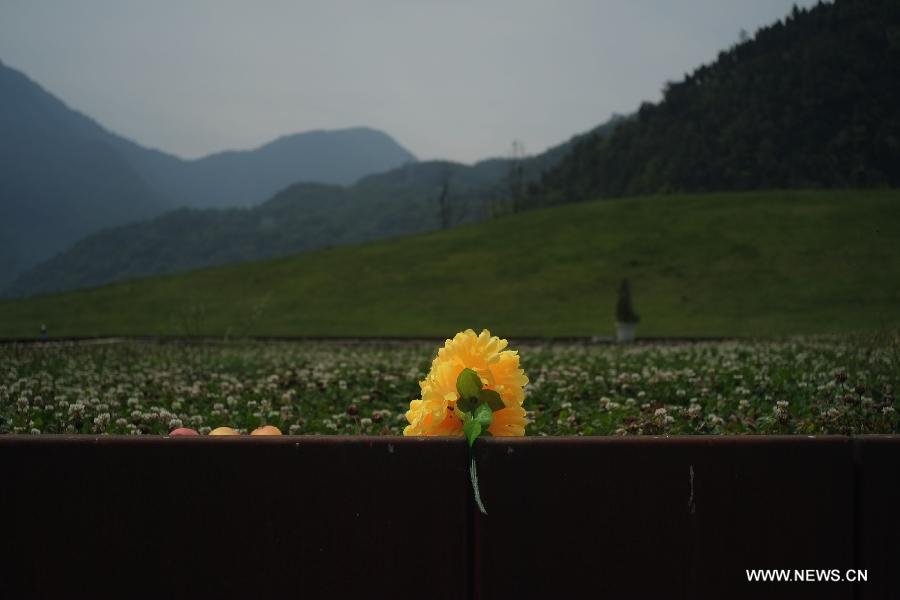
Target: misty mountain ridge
{"type": "Point", "coordinates": [300, 218]}
{"type": "Point", "coordinates": [247, 177]}
{"type": "Point", "coordinates": [59, 178]}
{"type": "Point", "coordinates": [63, 176]}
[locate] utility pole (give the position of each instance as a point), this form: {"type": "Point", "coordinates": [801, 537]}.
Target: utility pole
{"type": "Point", "coordinates": [516, 175]}
{"type": "Point", "coordinates": [445, 215]}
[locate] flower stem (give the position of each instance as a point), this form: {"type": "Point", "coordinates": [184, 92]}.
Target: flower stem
{"type": "Point", "coordinates": [473, 475]}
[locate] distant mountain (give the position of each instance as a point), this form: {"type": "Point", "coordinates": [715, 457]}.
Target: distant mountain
{"type": "Point", "coordinates": [63, 176]}
{"type": "Point", "coordinates": [247, 177]}
{"type": "Point", "coordinates": [59, 179]}
{"type": "Point", "coordinates": [810, 101]}
{"type": "Point", "coordinates": [303, 217]}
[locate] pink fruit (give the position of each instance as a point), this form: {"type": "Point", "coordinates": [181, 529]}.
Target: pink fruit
{"type": "Point", "coordinates": [183, 431]}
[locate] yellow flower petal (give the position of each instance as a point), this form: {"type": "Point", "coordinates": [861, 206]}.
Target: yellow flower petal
{"type": "Point", "coordinates": [509, 421]}
{"type": "Point", "coordinates": [499, 371]}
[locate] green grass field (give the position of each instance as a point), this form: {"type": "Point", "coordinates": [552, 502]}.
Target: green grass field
{"type": "Point", "coordinates": [748, 264]}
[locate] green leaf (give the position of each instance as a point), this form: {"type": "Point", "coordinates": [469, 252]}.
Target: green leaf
{"type": "Point", "coordinates": [468, 384]}
{"type": "Point", "coordinates": [472, 429]}
{"type": "Point", "coordinates": [492, 399]}
{"type": "Point", "coordinates": [484, 415]}
{"type": "Point", "coordinates": [467, 405]}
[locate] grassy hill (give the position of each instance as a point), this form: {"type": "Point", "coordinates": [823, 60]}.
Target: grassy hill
{"type": "Point", "coordinates": [747, 264]}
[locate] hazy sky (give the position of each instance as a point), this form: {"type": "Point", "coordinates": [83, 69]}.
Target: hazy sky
{"type": "Point", "coordinates": [458, 79]}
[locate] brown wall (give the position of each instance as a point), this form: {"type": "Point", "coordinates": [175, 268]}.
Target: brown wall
{"type": "Point", "coordinates": [330, 517]}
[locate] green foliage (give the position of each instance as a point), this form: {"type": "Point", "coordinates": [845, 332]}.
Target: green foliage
{"type": "Point", "coordinates": [477, 424]}
{"type": "Point", "coordinates": [810, 101]}
{"type": "Point", "coordinates": [491, 399]}
{"type": "Point", "coordinates": [471, 429]}
{"type": "Point", "coordinates": [484, 415]}
{"type": "Point", "coordinates": [475, 405]}
{"type": "Point", "coordinates": [468, 385]}
{"type": "Point", "coordinates": [797, 386]}
{"type": "Point", "coordinates": [750, 264]}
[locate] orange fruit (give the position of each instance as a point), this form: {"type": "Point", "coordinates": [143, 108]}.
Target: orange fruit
{"type": "Point", "coordinates": [266, 430]}
{"type": "Point", "coordinates": [223, 431]}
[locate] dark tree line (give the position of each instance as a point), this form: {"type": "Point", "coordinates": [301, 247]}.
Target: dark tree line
{"type": "Point", "coordinates": [810, 101]}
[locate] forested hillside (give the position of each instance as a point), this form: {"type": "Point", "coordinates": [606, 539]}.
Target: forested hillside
{"type": "Point", "coordinates": [812, 101]}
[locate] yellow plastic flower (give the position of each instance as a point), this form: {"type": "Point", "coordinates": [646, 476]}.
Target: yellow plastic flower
{"type": "Point", "coordinates": [435, 412]}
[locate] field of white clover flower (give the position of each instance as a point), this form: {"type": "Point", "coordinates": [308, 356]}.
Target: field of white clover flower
{"type": "Point", "coordinates": [814, 385]}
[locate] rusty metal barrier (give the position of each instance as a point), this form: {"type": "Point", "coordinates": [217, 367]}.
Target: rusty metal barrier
{"type": "Point", "coordinates": [362, 517]}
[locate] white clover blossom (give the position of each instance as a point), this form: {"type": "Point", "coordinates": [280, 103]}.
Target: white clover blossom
{"type": "Point", "coordinates": [101, 422]}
